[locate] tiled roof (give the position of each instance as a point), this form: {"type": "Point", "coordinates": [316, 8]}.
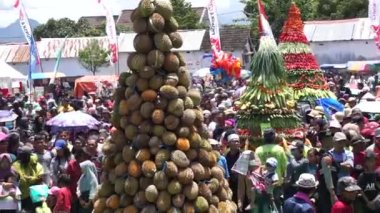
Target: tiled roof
{"type": "Point", "coordinates": [339, 30]}
{"type": "Point", "coordinates": [48, 47]}
{"type": "Point", "coordinates": [232, 38]}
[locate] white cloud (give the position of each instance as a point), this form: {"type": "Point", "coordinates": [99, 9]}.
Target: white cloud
{"type": "Point", "coordinates": [42, 10]}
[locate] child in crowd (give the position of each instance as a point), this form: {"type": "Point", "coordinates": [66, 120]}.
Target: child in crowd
{"type": "Point", "coordinates": [10, 200]}
{"type": "Point", "coordinates": [64, 197]}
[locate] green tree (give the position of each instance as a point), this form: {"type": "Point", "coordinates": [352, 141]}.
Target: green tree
{"type": "Point", "coordinates": [277, 12]}
{"type": "Point", "coordinates": [338, 9]}
{"type": "Point", "coordinates": [185, 15]}
{"type": "Point", "coordinates": [93, 57]}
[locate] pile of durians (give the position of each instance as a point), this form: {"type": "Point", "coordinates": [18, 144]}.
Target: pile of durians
{"type": "Point", "coordinates": [159, 158]}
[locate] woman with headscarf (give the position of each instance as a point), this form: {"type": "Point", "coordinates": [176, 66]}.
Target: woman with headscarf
{"type": "Point", "coordinates": [9, 192]}
{"type": "Point", "coordinates": [87, 186]}
{"type": "Point", "coordinates": [5, 166]}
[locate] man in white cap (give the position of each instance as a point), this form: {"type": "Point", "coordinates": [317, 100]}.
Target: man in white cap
{"type": "Point", "coordinates": [347, 191]}
{"type": "Point", "coordinates": [232, 156]}
{"type": "Point", "coordinates": [300, 202]}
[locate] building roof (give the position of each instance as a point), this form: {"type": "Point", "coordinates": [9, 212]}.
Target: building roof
{"type": "Point", "coordinates": [339, 30]}
{"type": "Point", "coordinates": [232, 38]}
{"type": "Point", "coordinates": [48, 47]}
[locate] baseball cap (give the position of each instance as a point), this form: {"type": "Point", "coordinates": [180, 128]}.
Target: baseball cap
{"type": "Point", "coordinates": [377, 133]}
{"type": "Point", "coordinates": [272, 162]}
{"type": "Point", "coordinates": [339, 116]}
{"type": "Point", "coordinates": [60, 144]}
{"type": "Point", "coordinates": [339, 136]}
{"type": "Point", "coordinates": [307, 181]}
{"type": "Point", "coordinates": [347, 184]}
{"type": "Point", "coordinates": [358, 139]}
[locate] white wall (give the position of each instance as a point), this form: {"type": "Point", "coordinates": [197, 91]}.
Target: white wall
{"type": "Point", "coordinates": [335, 52]}
{"type": "Point", "coordinates": [71, 67]}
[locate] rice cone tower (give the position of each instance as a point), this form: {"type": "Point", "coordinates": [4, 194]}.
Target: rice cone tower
{"type": "Point", "coordinates": [159, 158]}
{"type": "Point", "coordinates": [304, 74]}
{"type": "Point", "coordinates": [267, 101]}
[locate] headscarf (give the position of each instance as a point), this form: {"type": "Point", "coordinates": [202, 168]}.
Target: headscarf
{"type": "Point", "coordinates": [88, 181]}
{"type": "Point", "coordinates": [7, 171]}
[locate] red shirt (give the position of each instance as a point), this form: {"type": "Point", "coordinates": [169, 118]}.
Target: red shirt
{"type": "Point", "coordinates": [358, 163]}
{"type": "Point", "coordinates": [74, 170]}
{"type": "Point", "coordinates": [342, 207]}
{"type": "Point", "coordinates": [64, 199]}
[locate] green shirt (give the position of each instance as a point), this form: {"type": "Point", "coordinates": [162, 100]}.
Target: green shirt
{"type": "Point", "coordinates": [273, 150]}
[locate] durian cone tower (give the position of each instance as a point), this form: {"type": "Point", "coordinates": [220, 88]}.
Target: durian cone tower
{"type": "Point", "coordinates": [304, 74]}
{"type": "Point", "coordinates": [159, 158]}
{"type": "Point", "coordinates": [267, 102]}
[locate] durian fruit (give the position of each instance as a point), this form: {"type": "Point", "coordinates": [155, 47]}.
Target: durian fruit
{"type": "Point", "coordinates": [164, 7]}
{"type": "Point", "coordinates": [159, 158]}
{"type": "Point", "coordinates": [146, 8]}
{"type": "Point", "coordinates": [155, 59]}
{"type": "Point", "coordinates": [163, 42]}
{"type": "Point", "coordinates": [143, 43]}
{"type": "Point", "coordinates": [176, 39]}
{"type": "Point", "coordinates": [156, 23]}
{"type": "Point", "coordinates": [171, 62]}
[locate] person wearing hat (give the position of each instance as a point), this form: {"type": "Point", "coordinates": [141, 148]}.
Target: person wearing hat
{"type": "Point", "coordinates": [301, 202]}
{"type": "Point", "coordinates": [271, 149]}
{"type": "Point", "coordinates": [343, 158]}
{"type": "Point", "coordinates": [30, 173]}
{"type": "Point", "coordinates": [375, 147]}
{"type": "Point", "coordinates": [232, 156]}
{"type": "Point", "coordinates": [297, 165]}
{"type": "Point", "coordinates": [347, 191]}
{"type": "Point", "coordinates": [222, 162]}
{"type": "Point", "coordinates": [368, 181]}
{"type": "Point", "coordinates": [358, 143]}
{"type": "Point", "coordinates": [60, 161]}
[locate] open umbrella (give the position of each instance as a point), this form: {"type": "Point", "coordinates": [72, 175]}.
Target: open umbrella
{"type": "Point", "coordinates": [7, 116]}
{"type": "Point", "coordinates": [77, 121]}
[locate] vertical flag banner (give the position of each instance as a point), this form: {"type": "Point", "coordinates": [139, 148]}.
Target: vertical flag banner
{"type": "Point", "coordinates": [214, 27]}
{"type": "Point", "coordinates": [264, 26]}
{"type": "Point", "coordinates": [374, 18]}
{"type": "Point", "coordinates": [111, 32]}
{"type": "Point", "coordinates": [59, 55]}
{"type": "Point", "coordinates": [34, 60]}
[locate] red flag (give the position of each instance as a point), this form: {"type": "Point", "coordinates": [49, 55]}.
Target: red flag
{"type": "Point", "coordinates": [264, 27]}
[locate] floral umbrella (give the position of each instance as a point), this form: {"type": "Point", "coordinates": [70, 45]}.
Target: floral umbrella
{"type": "Point", "coordinates": [77, 121]}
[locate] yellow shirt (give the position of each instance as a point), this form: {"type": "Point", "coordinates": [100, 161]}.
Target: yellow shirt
{"type": "Point", "coordinates": [65, 109]}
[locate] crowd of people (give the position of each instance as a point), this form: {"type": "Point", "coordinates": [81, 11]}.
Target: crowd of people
{"type": "Point", "coordinates": [68, 163]}
{"type": "Point", "coordinates": [331, 165]}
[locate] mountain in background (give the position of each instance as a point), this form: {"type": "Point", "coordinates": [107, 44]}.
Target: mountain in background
{"type": "Point", "coordinates": [13, 32]}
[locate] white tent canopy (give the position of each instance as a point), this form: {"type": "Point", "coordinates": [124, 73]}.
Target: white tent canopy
{"type": "Point", "coordinates": [6, 71]}
{"type": "Point", "coordinates": [9, 76]}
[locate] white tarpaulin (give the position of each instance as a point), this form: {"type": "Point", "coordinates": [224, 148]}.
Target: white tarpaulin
{"type": "Point", "coordinates": [369, 106]}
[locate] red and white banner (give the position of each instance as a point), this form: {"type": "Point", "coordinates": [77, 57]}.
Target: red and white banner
{"type": "Point", "coordinates": [214, 27]}
{"type": "Point", "coordinates": [111, 32]}
{"type": "Point", "coordinates": [264, 26]}
{"type": "Point", "coordinates": [24, 21]}
{"type": "Point", "coordinates": [374, 17]}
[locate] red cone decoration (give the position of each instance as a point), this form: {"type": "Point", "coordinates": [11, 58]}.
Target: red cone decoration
{"type": "Point", "coordinates": [304, 74]}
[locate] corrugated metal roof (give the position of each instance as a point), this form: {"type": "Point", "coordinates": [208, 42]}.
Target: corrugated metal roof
{"type": "Point", "coordinates": [48, 47]}
{"type": "Point", "coordinates": [339, 30]}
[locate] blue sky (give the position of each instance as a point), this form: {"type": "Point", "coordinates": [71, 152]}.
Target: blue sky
{"type": "Point", "coordinates": [42, 10]}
